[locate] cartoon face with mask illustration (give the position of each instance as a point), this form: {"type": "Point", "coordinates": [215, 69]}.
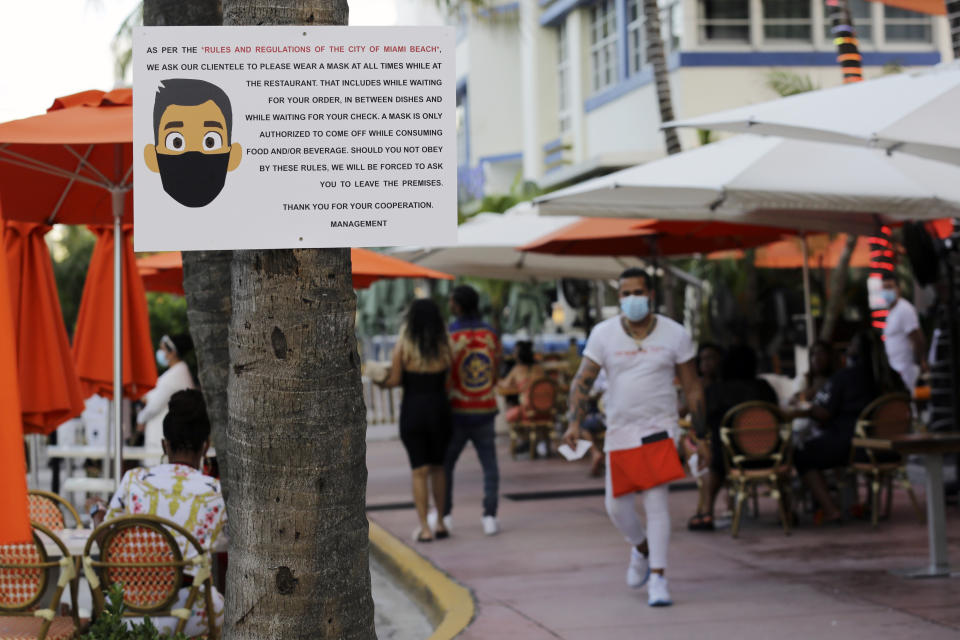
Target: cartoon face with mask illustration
{"type": "Point", "coordinates": [192, 150]}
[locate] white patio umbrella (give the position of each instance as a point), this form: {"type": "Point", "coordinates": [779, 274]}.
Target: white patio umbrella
{"type": "Point", "coordinates": [913, 112]}
{"type": "Point", "coordinates": [487, 245]}
{"type": "Point", "coordinates": [794, 184]}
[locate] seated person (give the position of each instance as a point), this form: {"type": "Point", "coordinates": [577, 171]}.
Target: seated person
{"type": "Point", "coordinates": [738, 384]}
{"type": "Point", "coordinates": [525, 371]}
{"type": "Point", "coordinates": [836, 407]}
{"type": "Point", "coordinates": [178, 491]}
{"type": "Point", "coordinates": [818, 374]}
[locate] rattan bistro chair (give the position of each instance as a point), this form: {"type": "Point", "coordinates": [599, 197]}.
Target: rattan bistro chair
{"type": "Point", "coordinates": [48, 509]}
{"type": "Point", "coordinates": [538, 416]}
{"type": "Point", "coordinates": [25, 574]}
{"type": "Point", "coordinates": [756, 445]}
{"type": "Point", "coordinates": [888, 416]}
{"type": "Point", "coordinates": [142, 554]}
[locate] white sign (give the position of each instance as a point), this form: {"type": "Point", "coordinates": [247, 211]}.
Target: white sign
{"type": "Point", "coordinates": [290, 137]}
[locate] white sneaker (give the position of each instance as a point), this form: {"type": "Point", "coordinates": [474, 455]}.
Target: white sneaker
{"type": "Point", "coordinates": [542, 450]}
{"type": "Point", "coordinates": [490, 525]}
{"type": "Point", "coordinates": [658, 595]}
{"type": "Point", "coordinates": [638, 571]}
{"type": "Point", "coordinates": [432, 521]}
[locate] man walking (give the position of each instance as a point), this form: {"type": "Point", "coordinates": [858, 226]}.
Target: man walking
{"type": "Point", "coordinates": [473, 399]}
{"type": "Point", "coordinates": [641, 353]}
{"type": "Point", "coordinates": [903, 339]}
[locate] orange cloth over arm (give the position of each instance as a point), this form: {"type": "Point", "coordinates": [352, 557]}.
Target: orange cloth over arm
{"type": "Point", "coordinates": [15, 523]}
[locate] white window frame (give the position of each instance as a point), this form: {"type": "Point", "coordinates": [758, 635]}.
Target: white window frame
{"type": "Point", "coordinates": [915, 19]}
{"type": "Point", "coordinates": [636, 37]}
{"type": "Point", "coordinates": [564, 78]}
{"type": "Point", "coordinates": [604, 63]}
{"type": "Point", "coordinates": [703, 23]}
{"type": "Point", "coordinates": [786, 22]}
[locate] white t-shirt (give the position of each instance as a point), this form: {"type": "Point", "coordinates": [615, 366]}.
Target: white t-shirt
{"type": "Point", "coordinates": [901, 322]}
{"type": "Point", "coordinates": [640, 398]}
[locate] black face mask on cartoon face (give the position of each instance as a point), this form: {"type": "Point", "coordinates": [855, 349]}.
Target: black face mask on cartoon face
{"type": "Point", "coordinates": [193, 178]}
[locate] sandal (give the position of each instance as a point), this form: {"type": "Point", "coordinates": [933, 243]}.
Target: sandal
{"type": "Point", "coordinates": [700, 522]}
{"type": "Point", "coordinates": [419, 535]}
{"type": "Point", "coordinates": [443, 534]}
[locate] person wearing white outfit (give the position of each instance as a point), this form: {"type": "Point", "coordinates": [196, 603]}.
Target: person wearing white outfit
{"type": "Point", "coordinates": [902, 336]}
{"type": "Point", "coordinates": [641, 353]}
{"type": "Point", "coordinates": [177, 377]}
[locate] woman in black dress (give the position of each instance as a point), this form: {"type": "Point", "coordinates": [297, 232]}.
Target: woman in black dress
{"type": "Point", "coordinates": [421, 363]}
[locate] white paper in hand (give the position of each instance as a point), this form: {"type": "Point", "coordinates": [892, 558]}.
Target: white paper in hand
{"type": "Point", "coordinates": [575, 454]}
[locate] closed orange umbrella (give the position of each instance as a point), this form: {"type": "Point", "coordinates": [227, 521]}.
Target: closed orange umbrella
{"type": "Point", "coordinates": [164, 271]}
{"type": "Point", "coordinates": [932, 7]}
{"type": "Point", "coordinates": [15, 523]}
{"type": "Point", "coordinates": [49, 388]}
{"type": "Point", "coordinates": [93, 339]}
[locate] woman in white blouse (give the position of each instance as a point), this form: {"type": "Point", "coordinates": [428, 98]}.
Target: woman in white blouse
{"type": "Point", "coordinates": [177, 377]}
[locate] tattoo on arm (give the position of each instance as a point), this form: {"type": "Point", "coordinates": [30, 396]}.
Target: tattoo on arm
{"type": "Point", "coordinates": [580, 391]}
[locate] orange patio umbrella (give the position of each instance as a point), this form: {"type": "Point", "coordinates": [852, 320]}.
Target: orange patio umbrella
{"type": "Point", "coordinates": [74, 164]}
{"type": "Point", "coordinates": [932, 7]}
{"type": "Point", "coordinates": [49, 387]}
{"type": "Point", "coordinates": [93, 338]}
{"type": "Point", "coordinates": [15, 524]}
{"type": "Point", "coordinates": [788, 253]}
{"type": "Point", "coordinates": [164, 271]}
{"type": "Point", "coordinates": [629, 237]}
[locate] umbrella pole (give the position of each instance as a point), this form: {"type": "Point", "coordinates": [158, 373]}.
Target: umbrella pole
{"type": "Point", "coordinates": [117, 197]}
{"type": "Point", "coordinates": [808, 315]}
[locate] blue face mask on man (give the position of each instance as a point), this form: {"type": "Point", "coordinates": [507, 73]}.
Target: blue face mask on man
{"type": "Point", "coordinates": [636, 308]}
{"type": "Point", "coordinates": [889, 296]}
{"type": "Point", "coordinates": [162, 358]}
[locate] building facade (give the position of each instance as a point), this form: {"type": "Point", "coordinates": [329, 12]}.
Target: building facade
{"type": "Point", "coordinates": [555, 91]}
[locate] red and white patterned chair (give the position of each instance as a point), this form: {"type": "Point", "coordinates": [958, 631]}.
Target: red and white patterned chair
{"type": "Point", "coordinates": [141, 553]}
{"type": "Point", "coordinates": [25, 573]}
{"type": "Point", "coordinates": [48, 509]}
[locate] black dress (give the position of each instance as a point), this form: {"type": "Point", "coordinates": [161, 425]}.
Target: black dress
{"type": "Point", "coordinates": [425, 419]}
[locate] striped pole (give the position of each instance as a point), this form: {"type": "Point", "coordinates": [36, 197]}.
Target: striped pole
{"type": "Point", "coordinates": [845, 39]}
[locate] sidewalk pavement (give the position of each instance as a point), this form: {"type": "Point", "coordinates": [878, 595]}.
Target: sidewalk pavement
{"type": "Point", "coordinates": [557, 568]}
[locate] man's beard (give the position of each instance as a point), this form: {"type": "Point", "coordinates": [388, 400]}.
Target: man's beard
{"type": "Point", "coordinates": [193, 178]}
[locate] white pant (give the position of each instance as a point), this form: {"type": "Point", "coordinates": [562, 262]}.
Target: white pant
{"type": "Point", "coordinates": [623, 513]}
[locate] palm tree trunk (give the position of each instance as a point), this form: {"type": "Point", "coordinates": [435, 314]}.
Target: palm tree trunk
{"type": "Point", "coordinates": [838, 285]}
{"type": "Point", "coordinates": [656, 55]}
{"type": "Point", "coordinates": [296, 435]}
{"type": "Point", "coordinates": [206, 283]}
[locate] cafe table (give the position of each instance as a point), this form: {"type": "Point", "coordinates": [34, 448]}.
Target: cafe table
{"type": "Point", "coordinates": [931, 447]}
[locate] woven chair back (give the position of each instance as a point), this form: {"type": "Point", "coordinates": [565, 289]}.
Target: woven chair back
{"type": "Point", "coordinates": [890, 416]}
{"type": "Point", "coordinates": [22, 582]}
{"type": "Point", "coordinates": [146, 559]}
{"type": "Point", "coordinates": [542, 396]}
{"type": "Point", "coordinates": [50, 510]}
{"type": "Point", "coordinates": [756, 431]}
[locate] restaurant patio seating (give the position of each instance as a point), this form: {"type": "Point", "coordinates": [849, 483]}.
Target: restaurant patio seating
{"type": "Point", "coordinates": [25, 574]}
{"type": "Point", "coordinates": [757, 448]}
{"type": "Point", "coordinates": [142, 553]}
{"type": "Point", "coordinates": [886, 417]}
{"type": "Point", "coordinates": [538, 416]}
{"type": "Point", "coordinates": [50, 510]}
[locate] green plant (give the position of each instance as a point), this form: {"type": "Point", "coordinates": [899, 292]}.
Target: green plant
{"type": "Point", "coordinates": [111, 625]}
{"type": "Point", "coordinates": [787, 83]}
